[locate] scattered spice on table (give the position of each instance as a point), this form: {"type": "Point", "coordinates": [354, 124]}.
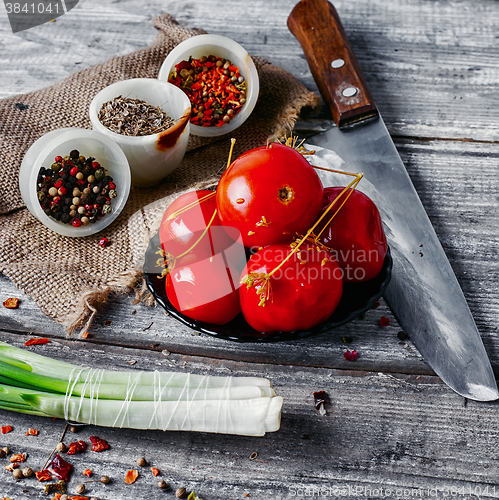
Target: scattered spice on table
{"type": "Point", "coordinates": [350, 355]}
{"type": "Point", "coordinates": [60, 468]}
{"type": "Point", "coordinates": [402, 335]}
{"type": "Point", "coordinates": [215, 87]}
{"type": "Point", "coordinates": [6, 429]}
{"type": "Point", "coordinates": [320, 398]}
{"type": "Point", "coordinates": [99, 444]}
{"type": "Point", "coordinates": [131, 476]}
{"type": "Point", "coordinates": [87, 472]}
{"type": "Point", "coordinates": [133, 117]}
{"type": "Point", "coordinates": [347, 340]}
{"type": "Point", "coordinates": [384, 321]}
{"type": "Point", "coordinates": [37, 341]}
{"type": "Point", "coordinates": [11, 303]}
{"type": "Point", "coordinates": [43, 475]}
{"type": "Point", "coordinates": [12, 466]}
{"type": "Point", "coordinates": [77, 447]}
{"type": "Point", "coordinates": [32, 432]}
{"type": "Point", "coordinates": [155, 471]}
{"type": "Point", "coordinates": [75, 190]}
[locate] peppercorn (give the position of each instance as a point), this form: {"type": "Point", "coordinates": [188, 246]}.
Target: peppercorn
{"type": "Point", "coordinates": [18, 473]}
{"type": "Point", "coordinates": [56, 167]}
{"type": "Point", "coordinates": [104, 480]}
{"type": "Point", "coordinates": [2, 453]}
{"type": "Point", "coordinates": [79, 176]}
{"type": "Point", "coordinates": [99, 173]}
{"type": "Point", "coordinates": [74, 428]}
{"type": "Point", "coordinates": [163, 485]}
{"type": "Point", "coordinates": [64, 497]}
{"type": "Point", "coordinates": [41, 195]}
{"type": "Point", "coordinates": [181, 493]}
{"type": "Point", "coordinates": [106, 209]}
{"type": "Point", "coordinates": [74, 154]}
{"type": "Point", "coordinates": [80, 489]}
{"type": "Point", "coordinates": [141, 462]}
{"type": "Point", "coordinates": [6, 449]}
{"type": "Point", "coordinates": [113, 193]}
{"type": "Point", "coordinates": [27, 472]}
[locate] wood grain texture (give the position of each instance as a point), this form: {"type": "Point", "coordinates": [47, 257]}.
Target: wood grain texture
{"type": "Point", "coordinates": [433, 71]}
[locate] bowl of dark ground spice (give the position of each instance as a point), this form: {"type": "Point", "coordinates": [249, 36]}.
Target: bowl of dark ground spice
{"type": "Point", "coordinates": [149, 120]}
{"type": "Point", "coordinates": [75, 181]}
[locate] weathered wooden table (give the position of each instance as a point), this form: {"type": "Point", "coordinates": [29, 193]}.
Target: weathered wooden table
{"type": "Point", "coordinates": [392, 429]}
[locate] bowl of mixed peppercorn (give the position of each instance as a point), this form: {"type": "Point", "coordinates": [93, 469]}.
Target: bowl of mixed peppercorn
{"type": "Point", "coordinates": [219, 78]}
{"type": "Point", "coordinates": [75, 181]}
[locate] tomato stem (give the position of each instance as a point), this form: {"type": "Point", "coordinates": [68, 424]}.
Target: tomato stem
{"type": "Point", "coordinates": [189, 206]}
{"type": "Point", "coordinates": [232, 142]}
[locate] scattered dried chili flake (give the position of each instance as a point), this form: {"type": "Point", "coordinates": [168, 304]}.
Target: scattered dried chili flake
{"type": "Point", "coordinates": [350, 355]}
{"type": "Point", "coordinates": [52, 487]}
{"type": "Point", "coordinates": [87, 472]}
{"type": "Point", "coordinates": [36, 341]}
{"type": "Point", "coordinates": [320, 397]}
{"type": "Point", "coordinates": [18, 458]}
{"type": "Point", "coordinates": [12, 466]}
{"type": "Point", "coordinates": [60, 468]}
{"type": "Point", "coordinates": [84, 335]}
{"type": "Point", "coordinates": [155, 472]}
{"type": "Point", "coordinates": [384, 321]}
{"type": "Point", "coordinates": [43, 475]}
{"type": "Point", "coordinates": [131, 476]}
{"type": "Point", "coordinates": [11, 303]}
{"type": "Point", "coordinates": [78, 497]}
{"type": "Point", "coordinates": [6, 428]}
{"type": "Point", "coordinates": [77, 447]}
{"type": "Point", "coordinates": [99, 444]}
{"type": "Point", "coordinates": [32, 432]}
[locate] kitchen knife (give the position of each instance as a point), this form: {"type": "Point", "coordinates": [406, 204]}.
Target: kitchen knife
{"type": "Point", "coordinates": [424, 293]}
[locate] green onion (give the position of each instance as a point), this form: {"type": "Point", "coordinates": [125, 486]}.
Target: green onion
{"type": "Point", "coordinates": [38, 385]}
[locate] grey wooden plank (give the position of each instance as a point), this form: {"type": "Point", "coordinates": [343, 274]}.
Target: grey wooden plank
{"type": "Point", "coordinates": [379, 431]}
{"type": "Point", "coordinates": [431, 66]}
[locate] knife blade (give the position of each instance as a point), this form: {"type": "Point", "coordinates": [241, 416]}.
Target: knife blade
{"type": "Point", "coordinates": [424, 294]}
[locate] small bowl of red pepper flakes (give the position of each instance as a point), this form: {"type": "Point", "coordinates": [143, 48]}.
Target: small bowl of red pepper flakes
{"type": "Point", "coordinates": [220, 79]}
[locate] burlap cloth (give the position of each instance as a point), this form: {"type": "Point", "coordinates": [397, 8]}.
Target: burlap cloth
{"type": "Point", "coordinates": [70, 277]}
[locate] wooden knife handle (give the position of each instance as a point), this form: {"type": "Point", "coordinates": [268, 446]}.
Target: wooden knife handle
{"type": "Point", "coordinates": [317, 26]}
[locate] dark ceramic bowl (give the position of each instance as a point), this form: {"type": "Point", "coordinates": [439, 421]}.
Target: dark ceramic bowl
{"type": "Point", "coordinates": [357, 298]}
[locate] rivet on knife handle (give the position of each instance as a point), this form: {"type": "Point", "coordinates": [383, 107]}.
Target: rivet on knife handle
{"type": "Point", "coordinates": [317, 26]}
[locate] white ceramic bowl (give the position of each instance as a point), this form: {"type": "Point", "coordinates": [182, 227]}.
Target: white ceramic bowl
{"type": "Point", "coordinates": [220, 46]}
{"type": "Point", "coordinates": [59, 143]}
{"type": "Point", "coordinates": [151, 157]}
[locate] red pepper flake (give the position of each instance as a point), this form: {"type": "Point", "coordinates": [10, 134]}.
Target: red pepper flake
{"type": "Point", "coordinates": [36, 341]}
{"type": "Point", "coordinates": [60, 468]}
{"type": "Point", "coordinates": [87, 472]}
{"type": "Point", "coordinates": [77, 497]}
{"type": "Point", "coordinates": [77, 447]}
{"type": "Point", "coordinates": [384, 321]}
{"type": "Point", "coordinates": [155, 472]}
{"type": "Point", "coordinates": [32, 432]}
{"type": "Point", "coordinates": [320, 397]}
{"type": "Point", "coordinates": [17, 458]}
{"type": "Point", "coordinates": [98, 444]}
{"type": "Point", "coordinates": [43, 475]}
{"type": "Point", "coordinates": [131, 476]}
{"type": "Point", "coordinates": [6, 428]}
{"type": "Point", "coordinates": [11, 467]}
{"type": "Point", "coordinates": [350, 355]}
{"type": "Point", "coordinates": [104, 242]}
{"type": "Point", "coordinates": [11, 303]}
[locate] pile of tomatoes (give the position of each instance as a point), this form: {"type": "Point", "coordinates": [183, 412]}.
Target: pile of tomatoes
{"type": "Point", "coordinates": [266, 244]}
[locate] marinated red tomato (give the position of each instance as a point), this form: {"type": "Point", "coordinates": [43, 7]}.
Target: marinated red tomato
{"type": "Point", "coordinates": [269, 194]}
{"type": "Point", "coordinates": [355, 235]}
{"type": "Point", "coordinates": [302, 293]}
{"type": "Point", "coordinates": [205, 290]}
{"type": "Point", "coordinates": [180, 231]}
